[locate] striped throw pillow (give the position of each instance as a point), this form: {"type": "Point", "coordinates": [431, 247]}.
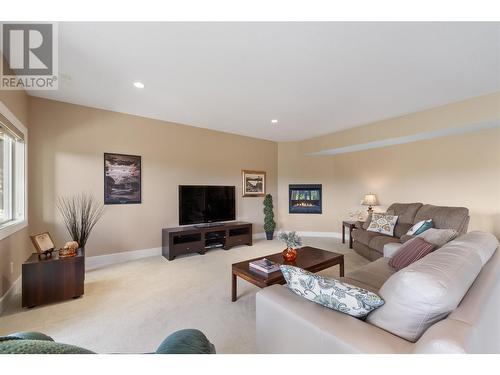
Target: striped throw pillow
{"type": "Point", "coordinates": [410, 252]}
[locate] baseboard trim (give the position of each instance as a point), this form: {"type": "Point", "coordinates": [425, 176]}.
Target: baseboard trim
{"type": "Point", "coordinates": [259, 236]}
{"type": "Point", "coordinates": [319, 234]}
{"type": "Point", "coordinates": [14, 289]}
{"type": "Point", "coordinates": [99, 261]}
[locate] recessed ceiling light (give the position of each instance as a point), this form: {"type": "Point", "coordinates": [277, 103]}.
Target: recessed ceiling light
{"type": "Point", "coordinates": [274, 121]}
{"type": "Point", "coordinates": [139, 85]}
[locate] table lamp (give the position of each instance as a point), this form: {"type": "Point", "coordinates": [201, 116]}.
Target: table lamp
{"type": "Point", "coordinates": [370, 200]}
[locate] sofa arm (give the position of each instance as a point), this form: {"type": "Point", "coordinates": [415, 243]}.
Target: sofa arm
{"type": "Point", "coordinates": [449, 336]}
{"type": "Point", "coordinates": [186, 341]}
{"type": "Point", "coordinates": [359, 224]}
{"type": "Point", "coordinates": [287, 323]}
{"type": "Point", "coordinates": [391, 248]}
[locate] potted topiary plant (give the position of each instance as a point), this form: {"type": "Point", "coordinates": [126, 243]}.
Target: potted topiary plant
{"type": "Point", "coordinates": [269, 223]}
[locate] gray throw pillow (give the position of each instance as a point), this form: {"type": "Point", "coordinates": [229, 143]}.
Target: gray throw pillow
{"type": "Point", "coordinates": [438, 237]}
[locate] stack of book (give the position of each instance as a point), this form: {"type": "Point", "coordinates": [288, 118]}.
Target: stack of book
{"type": "Point", "coordinates": [264, 265]}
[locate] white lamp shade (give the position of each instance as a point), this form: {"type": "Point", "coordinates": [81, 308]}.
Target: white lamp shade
{"type": "Point", "coordinates": [369, 200]}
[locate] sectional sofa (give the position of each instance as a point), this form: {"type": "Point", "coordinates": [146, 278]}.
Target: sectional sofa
{"type": "Point", "coordinates": [371, 244]}
{"type": "Point", "coordinates": [446, 302]}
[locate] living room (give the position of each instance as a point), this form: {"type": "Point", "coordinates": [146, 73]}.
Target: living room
{"type": "Point", "coordinates": [356, 159]}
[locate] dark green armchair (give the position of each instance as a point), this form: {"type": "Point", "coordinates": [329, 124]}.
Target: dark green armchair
{"type": "Point", "coordinates": [186, 341]}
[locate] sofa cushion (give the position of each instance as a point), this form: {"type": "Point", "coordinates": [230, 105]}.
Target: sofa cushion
{"type": "Point", "coordinates": [483, 243]}
{"type": "Point", "coordinates": [405, 211]}
{"type": "Point", "coordinates": [383, 223]}
{"type": "Point", "coordinates": [480, 307]}
{"type": "Point", "coordinates": [426, 291]}
{"type": "Point", "coordinates": [363, 236]}
{"type": "Point", "coordinates": [378, 242]}
{"type": "Point", "coordinates": [331, 293]}
{"type": "Point", "coordinates": [374, 274]}
{"type": "Point", "coordinates": [405, 237]}
{"type": "Point", "coordinates": [401, 229]}
{"type": "Point", "coordinates": [359, 284]}
{"type": "Point", "coordinates": [374, 255]}
{"type": "Point", "coordinates": [444, 217]}
{"type": "Point", "coordinates": [438, 237]}
{"type": "Point", "coordinates": [410, 252]}
{"type": "Point", "coordinates": [361, 249]}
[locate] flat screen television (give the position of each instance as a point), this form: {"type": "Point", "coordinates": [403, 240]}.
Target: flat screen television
{"type": "Point", "coordinates": [206, 204]}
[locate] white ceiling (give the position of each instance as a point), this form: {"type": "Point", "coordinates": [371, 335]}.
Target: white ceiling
{"type": "Point", "coordinates": [316, 78]}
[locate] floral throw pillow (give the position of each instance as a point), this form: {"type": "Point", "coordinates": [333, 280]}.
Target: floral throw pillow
{"type": "Point", "coordinates": [383, 223]}
{"type": "Point", "coordinates": [331, 293]}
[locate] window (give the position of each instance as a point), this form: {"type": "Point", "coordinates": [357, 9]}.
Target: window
{"type": "Point", "coordinates": [12, 174]}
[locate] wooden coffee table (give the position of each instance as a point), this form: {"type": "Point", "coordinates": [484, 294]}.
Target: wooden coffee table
{"type": "Point", "coordinates": [308, 258]}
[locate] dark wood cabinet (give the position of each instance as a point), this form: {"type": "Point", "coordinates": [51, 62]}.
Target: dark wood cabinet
{"type": "Point", "coordinates": [193, 239]}
{"type": "Point", "coordinates": [46, 280]}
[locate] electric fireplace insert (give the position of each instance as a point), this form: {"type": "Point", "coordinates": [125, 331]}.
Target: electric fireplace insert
{"type": "Point", "coordinates": [304, 199]}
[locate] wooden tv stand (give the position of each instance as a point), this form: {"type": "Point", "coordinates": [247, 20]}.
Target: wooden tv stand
{"type": "Point", "coordinates": [194, 239]}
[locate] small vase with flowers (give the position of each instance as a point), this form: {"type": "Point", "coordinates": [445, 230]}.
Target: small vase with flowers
{"type": "Point", "coordinates": [292, 242]}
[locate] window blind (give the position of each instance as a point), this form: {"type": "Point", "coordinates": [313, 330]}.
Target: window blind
{"type": "Point", "coordinates": [7, 127]}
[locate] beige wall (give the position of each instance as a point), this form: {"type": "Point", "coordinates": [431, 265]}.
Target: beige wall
{"type": "Point", "coordinates": [296, 168]}
{"type": "Point", "coordinates": [457, 170]}
{"type": "Point", "coordinates": [67, 143]}
{"type": "Point", "coordinates": [14, 248]}
{"type": "Point", "coordinates": [468, 112]}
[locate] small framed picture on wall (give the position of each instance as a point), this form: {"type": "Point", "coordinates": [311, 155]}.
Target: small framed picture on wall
{"type": "Point", "coordinates": [122, 179]}
{"type": "Point", "coordinates": [254, 183]}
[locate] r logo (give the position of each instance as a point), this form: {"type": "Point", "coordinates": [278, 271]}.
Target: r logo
{"type": "Point", "coordinates": [28, 49]}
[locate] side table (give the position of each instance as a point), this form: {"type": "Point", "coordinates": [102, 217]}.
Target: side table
{"type": "Point", "coordinates": [52, 279]}
{"type": "Point", "coordinates": [351, 225]}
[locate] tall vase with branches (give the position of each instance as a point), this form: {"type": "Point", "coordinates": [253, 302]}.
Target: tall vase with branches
{"type": "Point", "coordinates": [80, 214]}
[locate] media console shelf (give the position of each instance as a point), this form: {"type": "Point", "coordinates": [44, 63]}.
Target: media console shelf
{"type": "Point", "coordinates": [192, 239]}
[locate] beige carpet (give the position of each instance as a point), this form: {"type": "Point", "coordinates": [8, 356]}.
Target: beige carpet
{"type": "Point", "coordinates": [131, 307]}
